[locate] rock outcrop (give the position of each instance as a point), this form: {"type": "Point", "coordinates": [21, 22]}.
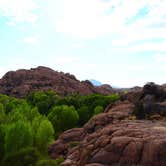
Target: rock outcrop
{"type": "Point", "coordinates": [21, 82]}
{"type": "Point", "coordinates": [150, 100]}
{"type": "Point", "coordinates": [113, 139]}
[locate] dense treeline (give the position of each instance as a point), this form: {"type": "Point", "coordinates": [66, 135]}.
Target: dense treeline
{"type": "Point", "coordinates": [28, 126]}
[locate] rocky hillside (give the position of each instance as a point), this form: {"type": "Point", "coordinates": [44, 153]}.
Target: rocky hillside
{"type": "Point", "coordinates": [118, 137]}
{"type": "Point", "coordinates": [21, 82]}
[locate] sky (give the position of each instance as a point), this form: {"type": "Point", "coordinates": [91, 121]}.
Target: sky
{"type": "Point", "coordinates": [119, 42]}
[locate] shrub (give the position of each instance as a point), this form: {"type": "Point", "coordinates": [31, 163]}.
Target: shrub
{"type": "Point", "coordinates": [18, 135]}
{"type": "Point", "coordinates": [44, 101]}
{"type": "Point", "coordinates": [139, 111]}
{"type": "Point", "coordinates": [63, 117]}
{"type": "Point", "coordinates": [84, 115]}
{"type": "Point", "coordinates": [2, 142]}
{"type": "Point", "coordinates": [2, 114]}
{"type": "Point", "coordinates": [98, 110]}
{"type": "Point", "coordinates": [44, 135]}
{"type": "Point", "coordinates": [50, 162]}
{"type": "Point", "coordinates": [24, 157]}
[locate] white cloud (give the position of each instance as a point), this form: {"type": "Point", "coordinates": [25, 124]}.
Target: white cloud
{"type": "Point", "coordinates": [77, 45]}
{"type": "Point", "coordinates": [3, 71]}
{"type": "Point", "coordinates": [81, 20]}
{"type": "Point", "coordinates": [84, 18]}
{"type": "Point", "coordinates": [10, 23]}
{"type": "Point", "coordinates": [19, 10]}
{"type": "Point", "coordinates": [160, 58]}
{"type": "Point", "coordinates": [15, 63]}
{"type": "Point", "coordinates": [90, 19]}
{"type": "Point", "coordinates": [160, 46]}
{"type": "Point", "coordinates": [31, 40]}
{"type": "Point", "coordinates": [65, 60]}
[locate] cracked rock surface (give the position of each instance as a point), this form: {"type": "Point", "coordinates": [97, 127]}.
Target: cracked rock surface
{"type": "Point", "coordinates": [111, 139]}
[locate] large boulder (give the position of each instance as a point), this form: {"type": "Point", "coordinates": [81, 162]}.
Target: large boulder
{"type": "Point", "coordinates": [66, 142]}
{"type": "Point", "coordinates": [154, 90]}
{"type": "Point", "coordinates": [151, 102]}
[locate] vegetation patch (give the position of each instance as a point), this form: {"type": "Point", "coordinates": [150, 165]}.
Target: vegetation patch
{"type": "Point", "coordinates": [28, 126]}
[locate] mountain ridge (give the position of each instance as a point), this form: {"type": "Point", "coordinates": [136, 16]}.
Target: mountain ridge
{"type": "Point", "coordinates": [21, 82]}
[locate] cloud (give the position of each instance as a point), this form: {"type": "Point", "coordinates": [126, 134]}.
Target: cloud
{"type": "Point", "coordinates": [142, 46]}
{"type": "Point", "coordinates": [160, 58]}
{"type": "Point", "coordinates": [10, 23]}
{"type": "Point", "coordinates": [77, 45]}
{"type": "Point", "coordinates": [157, 47]}
{"type": "Point", "coordinates": [31, 40]}
{"type": "Point", "coordinates": [3, 71]}
{"type": "Point", "coordinates": [84, 18]}
{"type": "Point", "coordinates": [66, 60]}
{"type": "Point", "coordinates": [15, 63]}
{"type": "Point", "coordinates": [100, 33]}
{"type": "Point", "coordinates": [19, 10]}
{"type": "Point", "coordinates": [91, 19]}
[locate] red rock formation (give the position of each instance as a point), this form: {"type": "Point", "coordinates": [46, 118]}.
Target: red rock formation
{"type": "Point", "coordinates": [111, 139]}
{"type": "Point", "coordinates": [22, 82]}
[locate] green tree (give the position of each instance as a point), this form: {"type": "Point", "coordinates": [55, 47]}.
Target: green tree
{"type": "Point", "coordinates": [18, 135]}
{"type": "Point", "coordinates": [14, 116]}
{"type": "Point", "coordinates": [98, 110]}
{"type": "Point", "coordinates": [24, 157]}
{"type": "Point", "coordinates": [4, 100]}
{"type": "Point", "coordinates": [2, 142]}
{"type": "Point", "coordinates": [2, 114]}
{"type": "Point", "coordinates": [44, 135]}
{"type": "Point", "coordinates": [50, 162]}
{"type": "Point", "coordinates": [44, 101]}
{"type": "Point", "coordinates": [14, 104]}
{"type": "Point", "coordinates": [31, 114]}
{"type": "Point", "coordinates": [63, 117]}
{"type": "Point", "coordinates": [84, 115]}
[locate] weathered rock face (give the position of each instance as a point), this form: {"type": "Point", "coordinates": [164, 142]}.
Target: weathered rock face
{"type": "Point", "coordinates": [151, 91]}
{"type": "Point", "coordinates": [111, 139]}
{"type": "Point", "coordinates": [151, 98]}
{"type": "Point", "coordinates": [157, 92]}
{"type": "Point", "coordinates": [65, 142]}
{"type": "Point", "coordinates": [21, 82]}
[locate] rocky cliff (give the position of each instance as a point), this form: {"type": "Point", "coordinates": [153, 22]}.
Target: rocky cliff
{"type": "Point", "coordinates": [116, 137]}
{"type": "Point", "coordinates": [21, 82]}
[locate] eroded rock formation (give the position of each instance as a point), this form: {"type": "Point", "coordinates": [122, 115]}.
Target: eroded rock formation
{"type": "Point", "coordinates": [112, 139]}
{"type": "Point", "coordinates": [21, 82]}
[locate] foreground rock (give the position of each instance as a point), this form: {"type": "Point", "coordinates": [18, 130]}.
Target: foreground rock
{"type": "Point", "coordinates": [111, 139]}
{"type": "Point", "coordinates": [21, 82]}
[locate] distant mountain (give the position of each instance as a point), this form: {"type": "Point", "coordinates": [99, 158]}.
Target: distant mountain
{"type": "Point", "coordinates": [22, 82]}
{"type": "Point", "coordinates": [95, 82]}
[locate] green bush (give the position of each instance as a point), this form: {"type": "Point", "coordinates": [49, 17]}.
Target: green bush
{"type": "Point", "coordinates": [84, 115]}
{"type": "Point", "coordinates": [24, 157]}
{"type": "Point", "coordinates": [139, 111]}
{"type": "Point", "coordinates": [2, 114]}
{"type": "Point", "coordinates": [44, 135]}
{"type": "Point", "coordinates": [98, 110]}
{"type": "Point", "coordinates": [38, 119]}
{"type": "Point", "coordinates": [63, 117]}
{"type": "Point", "coordinates": [44, 101]}
{"type": "Point", "coordinates": [50, 162]}
{"type": "Point", "coordinates": [2, 142]}
{"type": "Point", "coordinates": [18, 135]}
